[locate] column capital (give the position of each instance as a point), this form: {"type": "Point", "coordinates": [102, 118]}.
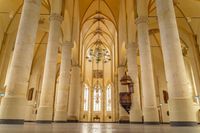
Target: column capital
{"type": "Point", "coordinates": [142, 19]}
{"type": "Point", "coordinates": [68, 44]}
{"type": "Point", "coordinates": [56, 16]}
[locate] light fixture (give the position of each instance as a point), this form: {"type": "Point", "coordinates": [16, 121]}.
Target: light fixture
{"type": "Point", "coordinates": [98, 53]}
{"type": "Point", "coordinates": [98, 89]}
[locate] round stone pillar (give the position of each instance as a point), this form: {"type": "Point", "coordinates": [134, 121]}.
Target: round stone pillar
{"type": "Point", "coordinates": [74, 95]}
{"type": "Point", "coordinates": [150, 111]}
{"type": "Point", "coordinates": [63, 87]}
{"type": "Point", "coordinates": [135, 112]}
{"type": "Point", "coordinates": [45, 110]}
{"type": "Point", "coordinates": [14, 103]}
{"type": "Point", "coordinates": [123, 115]}
{"type": "Point", "coordinates": [181, 108]}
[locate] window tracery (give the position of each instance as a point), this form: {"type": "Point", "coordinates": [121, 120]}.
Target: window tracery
{"type": "Point", "coordinates": [86, 98]}
{"type": "Point", "coordinates": [108, 98]}
{"type": "Point", "coordinates": [97, 99]}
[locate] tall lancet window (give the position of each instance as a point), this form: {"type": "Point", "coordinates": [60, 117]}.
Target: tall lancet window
{"type": "Point", "coordinates": [86, 98]}
{"type": "Point", "coordinates": [108, 98]}
{"type": "Point", "coordinates": [97, 99]}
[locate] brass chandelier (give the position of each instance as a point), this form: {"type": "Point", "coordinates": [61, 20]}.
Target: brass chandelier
{"type": "Point", "coordinates": [98, 54]}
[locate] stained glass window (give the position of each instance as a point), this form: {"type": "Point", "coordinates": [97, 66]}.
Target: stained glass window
{"type": "Point", "coordinates": [97, 99]}
{"type": "Point", "coordinates": [86, 98]}
{"type": "Point", "coordinates": [108, 98]}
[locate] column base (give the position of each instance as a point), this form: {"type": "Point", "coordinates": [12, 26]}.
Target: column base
{"type": "Point", "coordinates": [30, 113]}
{"type": "Point", "coordinates": [181, 110]}
{"type": "Point", "coordinates": [135, 122]}
{"type": "Point", "coordinates": [165, 123]}
{"type": "Point", "coordinates": [124, 121]}
{"type": "Point", "coordinates": [60, 116]}
{"type": "Point", "coordinates": [60, 121]}
{"type": "Point", "coordinates": [12, 109]}
{"type": "Point", "coordinates": [30, 121]}
{"type": "Point", "coordinates": [183, 123]}
{"type": "Point", "coordinates": [135, 116]}
{"type": "Point", "coordinates": [151, 115]}
{"type": "Point", "coordinates": [44, 115]}
{"type": "Point", "coordinates": [44, 121]}
{"type": "Point", "coordinates": [11, 121]}
{"type": "Point", "coordinates": [72, 121]}
{"type": "Point", "coordinates": [152, 123]}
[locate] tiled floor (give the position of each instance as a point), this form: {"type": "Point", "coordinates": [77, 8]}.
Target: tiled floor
{"type": "Point", "coordinates": [94, 128]}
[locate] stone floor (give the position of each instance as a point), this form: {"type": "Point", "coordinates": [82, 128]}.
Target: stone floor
{"type": "Point", "coordinates": [95, 128]}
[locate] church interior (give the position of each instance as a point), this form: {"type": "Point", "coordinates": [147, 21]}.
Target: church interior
{"type": "Point", "coordinates": [99, 65]}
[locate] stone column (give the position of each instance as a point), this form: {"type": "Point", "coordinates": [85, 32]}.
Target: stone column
{"type": "Point", "coordinates": [116, 97]}
{"type": "Point", "coordinates": [14, 103]}
{"type": "Point", "coordinates": [45, 110]}
{"type": "Point", "coordinates": [136, 112]}
{"type": "Point", "coordinates": [180, 100]}
{"type": "Point", "coordinates": [74, 95]}
{"type": "Point", "coordinates": [150, 110]}
{"type": "Point", "coordinates": [63, 87]}
{"type": "Point", "coordinates": [123, 115]}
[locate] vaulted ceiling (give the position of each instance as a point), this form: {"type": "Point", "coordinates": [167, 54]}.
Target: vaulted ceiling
{"type": "Point", "coordinates": [98, 23]}
{"type": "Point", "coordinates": [112, 5]}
